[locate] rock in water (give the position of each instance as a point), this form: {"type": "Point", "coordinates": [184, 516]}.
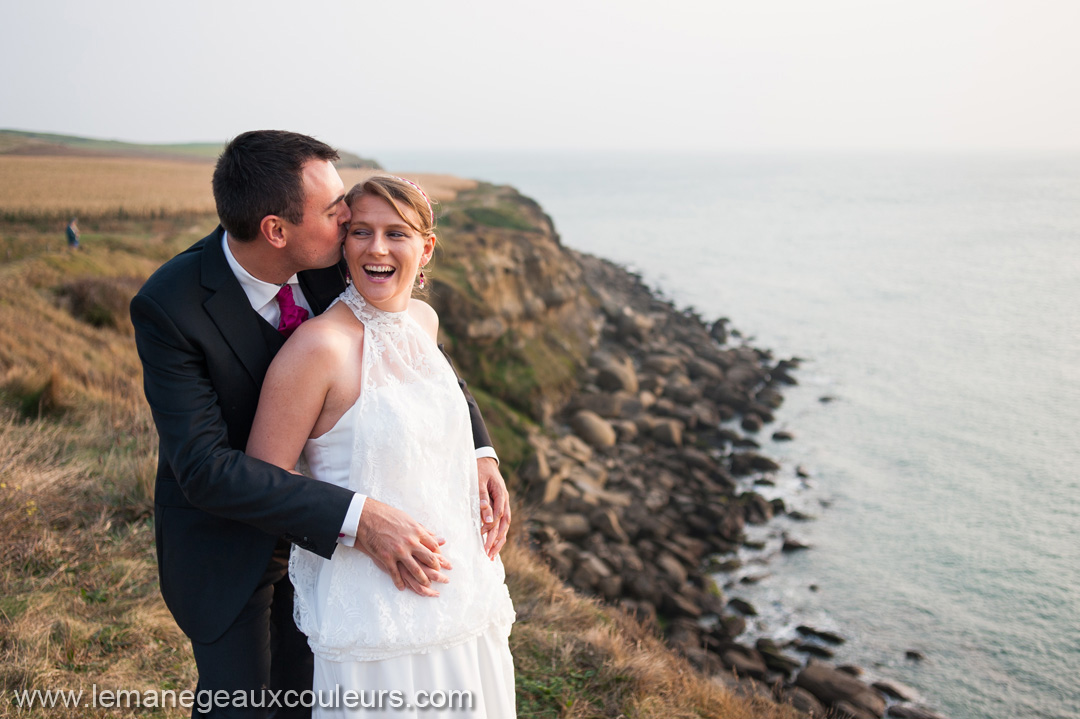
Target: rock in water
{"type": "Point", "coordinates": [743, 607]}
{"type": "Point", "coordinates": [718, 331]}
{"type": "Point", "coordinates": [815, 649]}
{"type": "Point", "coordinates": [830, 637]}
{"type": "Point", "coordinates": [793, 545]}
{"type": "Point", "coordinates": [896, 690]}
{"type": "Point", "coordinates": [751, 422]}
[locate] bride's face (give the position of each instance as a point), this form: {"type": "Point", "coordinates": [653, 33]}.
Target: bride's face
{"type": "Point", "coordinates": [384, 253]}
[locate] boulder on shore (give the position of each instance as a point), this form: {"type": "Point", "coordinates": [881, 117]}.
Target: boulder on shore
{"type": "Point", "coordinates": [593, 428]}
{"type": "Point", "coordinates": [668, 431]}
{"type": "Point", "coordinates": [832, 686]}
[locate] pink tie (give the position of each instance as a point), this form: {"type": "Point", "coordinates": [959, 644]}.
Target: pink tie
{"type": "Point", "coordinates": [291, 314]}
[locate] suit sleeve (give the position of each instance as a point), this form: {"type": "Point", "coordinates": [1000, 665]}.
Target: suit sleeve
{"type": "Point", "coordinates": [481, 438]}
{"type": "Point", "coordinates": [194, 442]}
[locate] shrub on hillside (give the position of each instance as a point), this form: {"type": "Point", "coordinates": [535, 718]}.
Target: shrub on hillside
{"type": "Point", "coordinates": [101, 301]}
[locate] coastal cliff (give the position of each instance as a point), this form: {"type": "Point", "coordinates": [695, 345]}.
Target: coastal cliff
{"type": "Point", "coordinates": [624, 425]}
{"type": "Point", "coordinates": [631, 431]}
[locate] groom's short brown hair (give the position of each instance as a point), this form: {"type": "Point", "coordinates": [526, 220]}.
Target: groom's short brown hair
{"type": "Point", "coordinates": [260, 173]}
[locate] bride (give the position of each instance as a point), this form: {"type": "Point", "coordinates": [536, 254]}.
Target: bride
{"type": "Point", "coordinates": [365, 394]}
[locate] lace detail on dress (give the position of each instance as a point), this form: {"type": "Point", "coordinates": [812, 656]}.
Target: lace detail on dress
{"type": "Point", "coordinates": [412, 449]}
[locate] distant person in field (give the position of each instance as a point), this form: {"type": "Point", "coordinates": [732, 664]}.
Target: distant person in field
{"type": "Point", "coordinates": [73, 234]}
{"type": "Point", "coordinates": [207, 325]}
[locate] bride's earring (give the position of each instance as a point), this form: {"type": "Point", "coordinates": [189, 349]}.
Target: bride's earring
{"type": "Point", "coordinates": [421, 279]}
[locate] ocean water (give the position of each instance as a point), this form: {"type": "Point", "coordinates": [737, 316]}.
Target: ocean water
{"type": "Point", "coordinates": [937, 299]}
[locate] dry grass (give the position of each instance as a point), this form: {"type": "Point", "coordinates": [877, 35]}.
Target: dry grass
{"type": "Point", "coordinates": [80, 603]}
{"type": "Point", "coordinates": [79, 599]}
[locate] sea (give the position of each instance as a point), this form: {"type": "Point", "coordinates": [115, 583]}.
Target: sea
{"type": "Point", "coordinates": [935, 302]}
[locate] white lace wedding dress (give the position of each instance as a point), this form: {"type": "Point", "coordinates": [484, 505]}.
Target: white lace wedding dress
{"type": "Point", "coordinates": [406, 442]}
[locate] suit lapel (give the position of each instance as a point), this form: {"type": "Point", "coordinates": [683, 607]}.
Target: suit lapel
{"type": "Point", "coordinates": [231, 312]}
{"type": "Point", "coordinates": [321, 287]}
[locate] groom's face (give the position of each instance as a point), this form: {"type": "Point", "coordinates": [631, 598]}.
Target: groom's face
{"type": "Point", "coordinates": [316, 241]}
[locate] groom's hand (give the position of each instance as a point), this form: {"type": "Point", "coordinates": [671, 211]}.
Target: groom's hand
{"type": "Point", "coordinates": [402, 548]}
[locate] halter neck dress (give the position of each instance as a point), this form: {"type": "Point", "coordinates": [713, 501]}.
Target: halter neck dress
{"type": "Point", "coordinates": [407, 441]}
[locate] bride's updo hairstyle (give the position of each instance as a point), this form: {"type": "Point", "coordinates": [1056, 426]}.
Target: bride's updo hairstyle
{"type": "Point", "coordinates": [400, 193]}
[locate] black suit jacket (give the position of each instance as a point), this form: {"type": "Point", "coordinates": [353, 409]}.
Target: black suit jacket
{"type": "Point", "coordinates": [218, 513]}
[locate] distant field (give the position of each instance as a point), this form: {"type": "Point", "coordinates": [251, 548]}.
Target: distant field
{"type": "Point", "coordinates": [96, 186]}
{"type": "Point", "coordinates": [49, 187]}
{"type": "Point", "coordinates": [21, 142]}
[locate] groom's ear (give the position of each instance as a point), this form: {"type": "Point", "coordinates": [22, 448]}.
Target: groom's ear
{"type": "Point", "coordinates": [272, 229]}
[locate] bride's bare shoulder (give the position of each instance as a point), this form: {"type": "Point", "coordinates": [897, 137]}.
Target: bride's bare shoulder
{"type": "Point", "coordinates": [326, 340]}
{"type": "Point", "coordinates": [426, 316]}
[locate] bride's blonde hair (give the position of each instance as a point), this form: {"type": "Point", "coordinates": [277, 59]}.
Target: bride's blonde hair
{"type": "Point", "coordinates": [400, 193]}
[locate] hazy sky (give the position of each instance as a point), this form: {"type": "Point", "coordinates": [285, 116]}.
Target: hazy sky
{"type": "Point", "coordinates": [458, 74]}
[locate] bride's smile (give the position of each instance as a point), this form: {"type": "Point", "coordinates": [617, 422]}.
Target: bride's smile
{"type": "Point", "coordinates": [384, 251]}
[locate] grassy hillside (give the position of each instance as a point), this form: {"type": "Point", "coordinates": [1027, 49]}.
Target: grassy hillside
{"type": "Point", "coordinates": [79, 601]}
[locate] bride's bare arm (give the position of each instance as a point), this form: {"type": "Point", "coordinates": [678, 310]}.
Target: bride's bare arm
{"type": "Point", "coordinates": [292, 398]}
{"type": "Point", "coordinates": [302, 395]}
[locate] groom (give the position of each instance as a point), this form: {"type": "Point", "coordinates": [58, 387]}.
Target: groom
{"type": "Point", "coordinates": [207, 324]}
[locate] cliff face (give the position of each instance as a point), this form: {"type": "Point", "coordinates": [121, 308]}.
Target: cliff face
{"type": "Point", "coordinates": [634, 428]}
{"type": "Point", "coordinates": [513, 302]}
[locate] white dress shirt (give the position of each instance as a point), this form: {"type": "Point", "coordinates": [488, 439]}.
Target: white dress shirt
{"type": "Point", "coordinates": [263, 298]}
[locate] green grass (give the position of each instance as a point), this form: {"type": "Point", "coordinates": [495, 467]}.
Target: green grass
{"type": "Point", "coordinates": [502, 217]}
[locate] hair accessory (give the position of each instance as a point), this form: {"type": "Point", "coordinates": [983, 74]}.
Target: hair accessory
{"type": "Point", "coordinates": [421, 279]}
{"type": "Point", "coordinates": [431, 209]}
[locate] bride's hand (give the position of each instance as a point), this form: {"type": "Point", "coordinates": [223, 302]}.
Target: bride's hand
{"type": "Point", "coordinates": [494, 506]}
{"type": "Point", "coordinates": [415, 586]}
{"type": "Point", "coordinates": [402, 547]}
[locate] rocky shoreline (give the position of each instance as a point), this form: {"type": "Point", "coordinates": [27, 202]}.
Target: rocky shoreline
{"type": "Point", "coordinates": [639, 495]}
{"type": "Point", "coordinates": [635, 429]}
